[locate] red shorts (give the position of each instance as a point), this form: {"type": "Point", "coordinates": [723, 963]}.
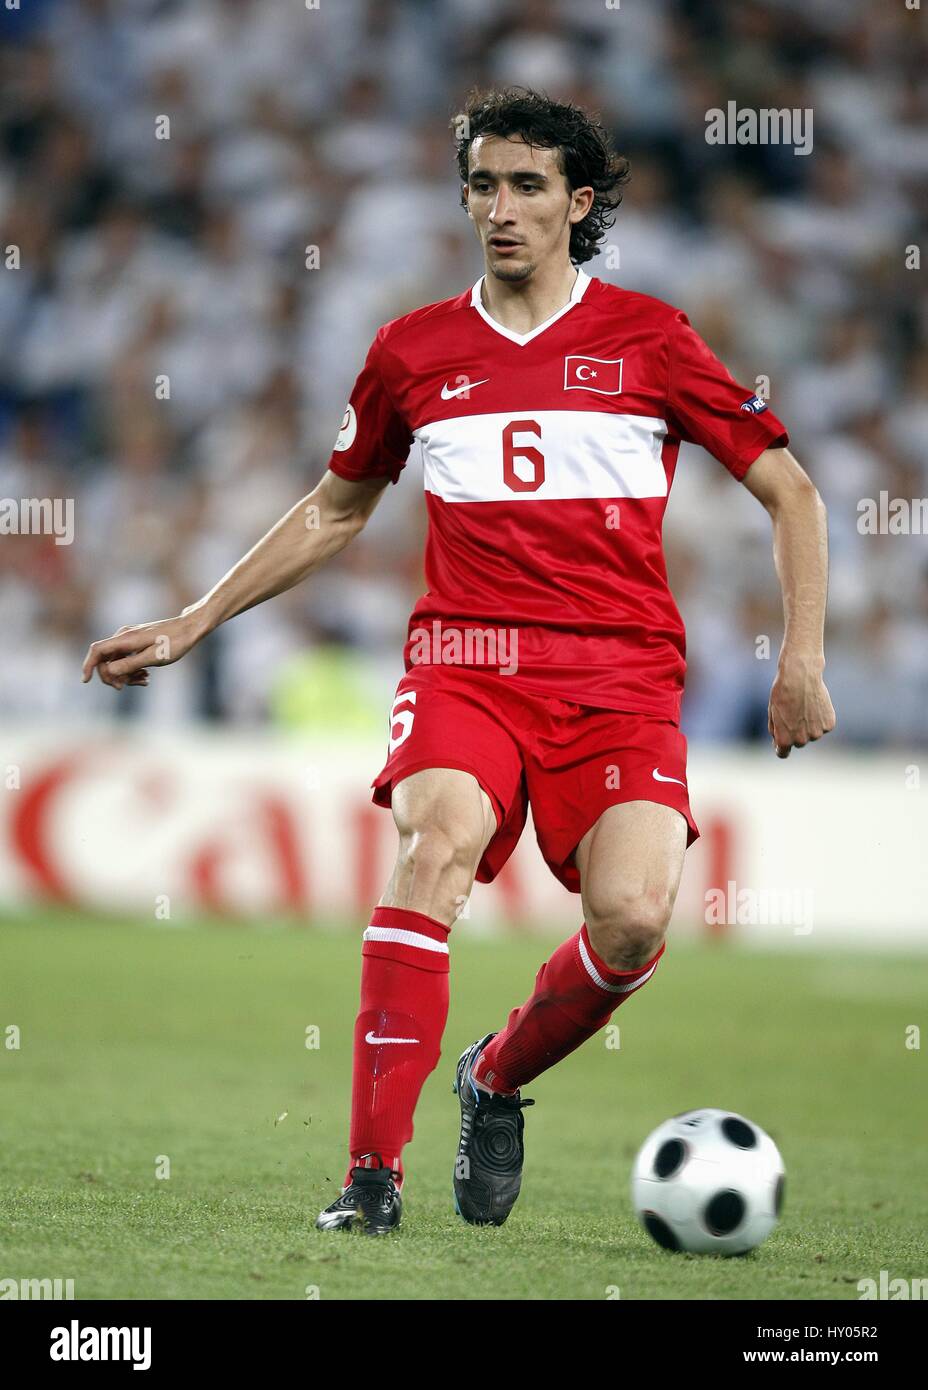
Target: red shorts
{"type": "Point", "coordinates": [568, 761]}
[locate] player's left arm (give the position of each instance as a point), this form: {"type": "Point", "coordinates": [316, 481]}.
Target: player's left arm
{"type": "Point", "coordinates": [800, 708]}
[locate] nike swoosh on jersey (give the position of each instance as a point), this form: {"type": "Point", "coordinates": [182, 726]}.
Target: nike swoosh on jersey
{"type": "Point", "coordinates": [373, 1038]}
{"type": "Point", "coordinates": [658, 778]}
{"type": "Point", "coordinates": [449, 395]}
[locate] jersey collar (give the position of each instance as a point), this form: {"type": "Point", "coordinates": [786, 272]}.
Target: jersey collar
{"type": "Point", "coordinates": [476, 298]}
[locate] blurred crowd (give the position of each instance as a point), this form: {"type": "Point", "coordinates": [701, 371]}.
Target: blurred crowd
{"type": "Point", "coordinates": [176, 358]}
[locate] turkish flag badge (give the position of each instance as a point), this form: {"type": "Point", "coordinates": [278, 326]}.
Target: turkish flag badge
{"type": "Point", "coordinates": [593, 374]}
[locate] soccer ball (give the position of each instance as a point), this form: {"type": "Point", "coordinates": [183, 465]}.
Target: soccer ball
{"type": "Point", "coordinates": [708, 1181]}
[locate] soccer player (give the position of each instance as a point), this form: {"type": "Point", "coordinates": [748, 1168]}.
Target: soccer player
{"type": "Point", "coordinates": [544, 665]}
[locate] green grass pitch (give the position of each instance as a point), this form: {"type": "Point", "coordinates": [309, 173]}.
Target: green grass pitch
{"type": "Point", "coordinates": [190, 1042]}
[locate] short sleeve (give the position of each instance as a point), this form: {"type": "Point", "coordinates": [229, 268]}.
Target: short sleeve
{"type": "Point", "coordinates": [374, 439]}
{"type": "Point", "coordinates": [708, 407]}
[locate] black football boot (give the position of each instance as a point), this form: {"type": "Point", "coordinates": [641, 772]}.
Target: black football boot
{"type": "Point", "coordinates": [370, 1203]}
{"type": "Point", "coordinates": [488, 1167]}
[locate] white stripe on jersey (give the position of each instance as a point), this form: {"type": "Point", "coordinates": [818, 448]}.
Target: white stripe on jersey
{"type": "Point", "coordinates": [587, 453]}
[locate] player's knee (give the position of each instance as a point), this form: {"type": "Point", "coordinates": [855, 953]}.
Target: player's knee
{"type": "Point", "coordinates": [437, 850]}
{"type": "Point", "coordinates": [433, 857]}
{"type": "Point", "coordinates": [627, 926]}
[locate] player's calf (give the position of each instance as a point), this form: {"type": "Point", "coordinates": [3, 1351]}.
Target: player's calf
{"type": "Point", "coordinates": [575, 994]}
{"type": "Point", "coordinates": [443, 825]}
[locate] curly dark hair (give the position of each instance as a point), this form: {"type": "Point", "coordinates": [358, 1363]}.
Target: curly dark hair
{"type": "Point", "coordinates": [585, 154]}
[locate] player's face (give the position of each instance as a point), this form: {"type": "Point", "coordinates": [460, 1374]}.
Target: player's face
{"type": "Point", "coordinates": [520, 204]}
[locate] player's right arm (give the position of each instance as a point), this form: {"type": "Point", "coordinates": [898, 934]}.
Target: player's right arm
{"type": "Point", "coordinates": [317, 528]}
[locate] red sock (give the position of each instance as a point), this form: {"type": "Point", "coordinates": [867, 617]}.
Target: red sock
{"type": "Point", "coordinates": [575, 995]}
{"type": "Point", "coordinates": [397, 1034]}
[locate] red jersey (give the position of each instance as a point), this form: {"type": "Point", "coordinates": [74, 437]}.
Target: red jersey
{"type": "Point", "coordinates": [548, 461]}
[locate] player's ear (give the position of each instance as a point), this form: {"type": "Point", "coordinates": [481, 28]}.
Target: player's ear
{"type": "Point", "coordinates": [581, 202]}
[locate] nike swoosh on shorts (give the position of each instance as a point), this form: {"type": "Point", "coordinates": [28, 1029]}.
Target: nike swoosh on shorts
{"type": "Point", "coordinates": [658, 778]}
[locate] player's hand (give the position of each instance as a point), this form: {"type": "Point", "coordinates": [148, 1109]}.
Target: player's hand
{"type": "Point", "coordinates": [800, 709]}
{"type": "Point", "coordinates": [124, 658]}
